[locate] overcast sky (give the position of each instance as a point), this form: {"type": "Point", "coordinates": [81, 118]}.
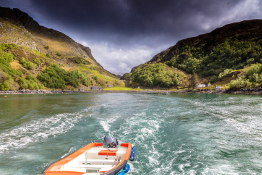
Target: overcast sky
{"type": "Point", "coordinates": [125, 33]}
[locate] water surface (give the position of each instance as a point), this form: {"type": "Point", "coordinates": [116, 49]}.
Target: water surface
{"type": "Point", "coordinates": [175, 134]}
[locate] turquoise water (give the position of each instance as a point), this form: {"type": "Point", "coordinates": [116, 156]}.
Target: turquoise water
{"type": "Point", "coordinates": [175, 134]}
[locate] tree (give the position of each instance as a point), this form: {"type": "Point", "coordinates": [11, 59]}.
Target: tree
{"type": "Point", "coordinates": [194, 80]}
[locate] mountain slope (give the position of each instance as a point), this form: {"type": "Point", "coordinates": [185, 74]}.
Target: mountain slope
{"type": "Point", "coordinates": [43, 47]}
{"type": "Point", "coordinates": [234, 40]}
{"type": "Point", "coordinates": [209, 56]}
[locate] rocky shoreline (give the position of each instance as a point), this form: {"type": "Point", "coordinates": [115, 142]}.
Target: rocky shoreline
{"type": "Point", "coordinates": [38, 92]}
{"type": "Point", "coordinates": [251, 91]}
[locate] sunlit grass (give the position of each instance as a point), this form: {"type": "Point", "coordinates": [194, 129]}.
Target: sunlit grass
{"type": "Point", "coordinates": [100, 76]}
{"type": "Point", "coordinates": [122, 88]}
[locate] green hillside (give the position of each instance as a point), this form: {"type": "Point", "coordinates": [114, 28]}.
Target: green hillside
{"type": "Point", "coordinates": [35, 57]}
{"type": "Point", "coordinates": [219, 57]}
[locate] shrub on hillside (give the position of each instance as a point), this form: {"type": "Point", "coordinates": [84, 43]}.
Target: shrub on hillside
{"type": "Point", "coordinates": [55, 77]}
{"type": "Point", "coordinates": [239, 83]}
{"type": "Point", "coordinates": [22, 61]}
{"type": "Point", "coordinates": [28, 65]}
{"type": "Point", "coordinates": [37, 61]}
{"type": "Point", "coordinates": [252, 78]}
{"type": "Point", "coordinates": [95, 78]}
{"type": "Point", "coordinates": [155, 75]}
{"type": "Point", "coordinates": [30, 82]}
{"type": "Point", "coordinates": [3, 76]}
{"type": "Point", "coordinates": [30, 77]}
{"type": "Point", "coordinates": [73, 78]}
{"type": "Point", "coordinates": [58, 54]}
{"type": "Point", "coordinates": [23, 83]}
{"type": "Point", "coordinates": [9, 84]}
{"type": "Point", "coordinates": [254, 73]}
{"type": "Point", "coordinates": [5, 59]}
{"type": "Point", "coordinates": [5, 46]}
{"type": "Point", "coordinates": [211, 60]}
{"type": "Point", "coordinates": [225, 72]}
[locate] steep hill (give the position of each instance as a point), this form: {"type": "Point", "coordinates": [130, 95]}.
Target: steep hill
{"type": "Point", "coordinates": [208, 57]}
{"type": "Point", "coordinates": [29, 43]}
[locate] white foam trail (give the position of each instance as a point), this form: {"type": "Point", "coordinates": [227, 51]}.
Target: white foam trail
{"type": "Point", "coordinates": [107, 122]}
{"type": "Point", "coordinates": [37, 130]}
{"type": "Point", "coordinates": [71, 150]}
{"type": "Point", "coordinates": [105, 125]}
{"type": "Point", "coordinates": [145, 130]}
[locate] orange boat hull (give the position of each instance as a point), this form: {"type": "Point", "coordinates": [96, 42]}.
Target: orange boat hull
{"type": "Point", "coordinates": [54, 168]}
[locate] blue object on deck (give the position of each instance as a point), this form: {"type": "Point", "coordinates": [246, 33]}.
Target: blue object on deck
{"type": "Point", "coordinates": [126, 168]}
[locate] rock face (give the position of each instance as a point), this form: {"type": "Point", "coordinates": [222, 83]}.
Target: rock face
{"type": "Point", "coordinates": [17, 15]}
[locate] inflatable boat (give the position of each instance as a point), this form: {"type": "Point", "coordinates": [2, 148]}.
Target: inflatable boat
{"type": "Point", "coordinates": [94, 159]}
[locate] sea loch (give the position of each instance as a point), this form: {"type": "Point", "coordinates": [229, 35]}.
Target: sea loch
{"type": "Point", "coordinates": [174, 134]}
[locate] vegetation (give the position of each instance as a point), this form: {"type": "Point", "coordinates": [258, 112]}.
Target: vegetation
{"type": "Point", "coordinates": [224, 56]}
{"type": "Point", "coordinates": [155, 75]}
{"type": "Point", "coordinates": [93, 68]}
{"type": "Point", "coordinates": [126, 76]}
{"type": "Point", "coordinates": [27, 64]}
{"type": "Point", "coordinates": [58, 54]}
{"type": "Point", "coordinates": [7, 74]}
{"type": "Point", "coordinates": [80, 60]}
{"type": "Point", "coordinates": [30, 82]}
{"type": "Point", "coordinates": [230, 54]}
{"type": "Point", "coordinates": [225, 72]}
{"type": "Point", "coordinates": [216, 57]}
{"type": "Point", "coordinates": [55, 77]}
{"type": "Point", "coordinates": [49, 75]}
{"type": "Point", "coordinates": [120, 89]}
{"type": "Point", "coordinates": [38, 48]}
{"type": "Point", "coordinates": [252, 78]}
{"type": "Point", "coordinates": [37, 61]}
{"type": "Point", "coordinates": [5, 59]}
{"type": "Point", "coordinates": [5, 47]}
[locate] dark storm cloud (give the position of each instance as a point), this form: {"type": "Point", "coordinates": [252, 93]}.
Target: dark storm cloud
{"type": "Point", "coordinates": [125, 33]}
{"type": "Point", "coordinates": [123, 19]}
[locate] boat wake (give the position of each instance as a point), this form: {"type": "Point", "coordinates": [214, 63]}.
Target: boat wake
{"type": "Point", "coordinates": [38, 130]}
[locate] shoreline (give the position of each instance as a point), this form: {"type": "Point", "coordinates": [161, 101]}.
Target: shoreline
{"type": "Point", "coordinates": [247, 91]}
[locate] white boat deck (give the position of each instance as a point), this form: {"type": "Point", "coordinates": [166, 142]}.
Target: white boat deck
{"type": "Point", "coordinates": [91, 163]}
